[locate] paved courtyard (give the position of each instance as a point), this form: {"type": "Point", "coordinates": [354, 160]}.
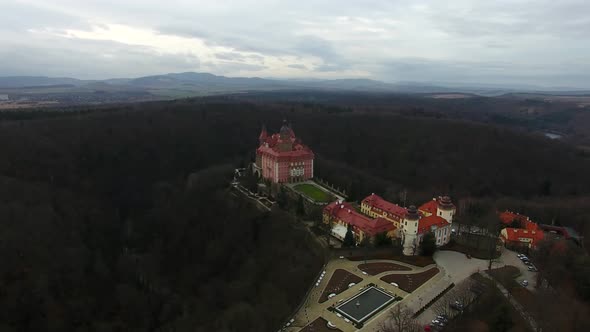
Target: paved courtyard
{"type": "Point", "coordinates": [459, 267]}
{"type": "Point", "coordinates": [312, 309]}
{"type": "Point", "coordinates": [454, 268]}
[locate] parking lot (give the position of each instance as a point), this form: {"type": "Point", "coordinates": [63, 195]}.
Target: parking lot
{"type": "Point", "coordinates": [460, 267]}
{"type": "Point", "coordinates": [510, 258]}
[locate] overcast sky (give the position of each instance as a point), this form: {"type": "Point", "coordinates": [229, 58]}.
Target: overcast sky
{"type": "Point", "coordinates": [542, 42]}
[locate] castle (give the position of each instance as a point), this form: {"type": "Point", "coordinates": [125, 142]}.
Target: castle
{"type": "Point", "coordinates": [282, 157]}
{"type": "Point", "coordinates": [380, 216]}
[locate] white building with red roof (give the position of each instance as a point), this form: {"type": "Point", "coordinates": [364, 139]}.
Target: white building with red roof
{"type": "Point", "coordinates": [526, 233]}
{"type": "Point", "coordinates": [435, 216]}
{"type": "Point", "coordinates": [375, 206]}
{"type": "Point", "coordinates": [343, 214]}
{"type": "Point", "coordinates": [409, 224]}
{"type": "Point", "coordinates": [282, 157]}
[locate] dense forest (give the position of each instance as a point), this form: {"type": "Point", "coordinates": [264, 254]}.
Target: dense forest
{"type": "Point", "coordinates": [121, 218]}
{"type": "Point", "coordinates": [533, 113]}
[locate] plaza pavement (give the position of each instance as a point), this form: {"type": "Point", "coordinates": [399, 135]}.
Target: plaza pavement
{"type": "Point", "coordinates": [454, 268]}
{"type": "Point", "coordinates": [459, 267]}
{"type": "Point", "coordinates": [312, 309]}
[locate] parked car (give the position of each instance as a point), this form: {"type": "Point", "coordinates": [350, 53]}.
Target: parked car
{"type": "Point", "coordinates": [437, 322]}
{"type": "Point", "coordinates": [457, 305]}
{"type": "Point", "coordinates": [524, 283]}
{"type": "Point", "coordinates": [442, 318]}
{"type": "Point", "coordinates": [532, 268]}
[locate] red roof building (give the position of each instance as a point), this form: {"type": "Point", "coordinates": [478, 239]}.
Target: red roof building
{"type": "Point", "coordinates": [429, 207]}
{"type": "Point", "coordinates": [282, 157]}
{"type": "Point", "coordinates": [519, 236]}
{"type": "Point", "coordinates": [375, 206]}
{"type": "Point", "coordinates": [363, 226]}
{"type": "Point", "coordinates": [508, 217]}
{"type": "Point", "coordinates": [430, 223]}
{"type": "Point", "coordinates": [527, 233]}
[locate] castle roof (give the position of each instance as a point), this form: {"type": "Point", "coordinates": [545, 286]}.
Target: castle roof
{"type": "Point", "coordinates": [429, 207]}
{"type": "Point", "coordinates": [443, 202]}
{"type": "Point", "coordinates": [286, 129]}
{"type": "Point", "coordinates": [275, 144]}
{"type": "Point", "coordinates": [426, 223]}
{"type": "Point", "coordinates": [347, 214]}
{"type": "Point", "coordinates": [377, 201]}
{"type": "Point", "coordinates": [263, 134]}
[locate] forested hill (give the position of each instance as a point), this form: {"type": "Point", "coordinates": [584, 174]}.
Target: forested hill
{"type": "Point", "coordinates": [124, 151]}
{"type": "Point", "coordinates": [101, 230]}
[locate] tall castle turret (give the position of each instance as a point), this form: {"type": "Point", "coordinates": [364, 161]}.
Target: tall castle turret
{"type": "Point", "coordinates": [410, 231]}
{"type": "Point", "coordinates": [445, 209]}
{"type": "Point", "coordinates": [287, 136]}
{"type": "Point", "coordinates": [263, 135]}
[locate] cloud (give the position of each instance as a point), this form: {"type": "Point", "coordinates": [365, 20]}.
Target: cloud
{"type": "Point", "coordinates": [297, 66]}
{"type": "Point", "coordinates": [505, 41]}
{"type": "Point", "coordinates": [91, 59]}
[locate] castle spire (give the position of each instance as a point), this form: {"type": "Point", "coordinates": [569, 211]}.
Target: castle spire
{"type": "Point", "coordinates": [263, 134]}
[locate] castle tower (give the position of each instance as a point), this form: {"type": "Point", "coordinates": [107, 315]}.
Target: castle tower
{"type": "Point", "coordinates": [410, 231]}
{"type": "Point", "coordinates": [263, 135]}
{"type": "Point", "coordinates": [286, 144]}
{"type": "Point", "coordinates": [445, 209]}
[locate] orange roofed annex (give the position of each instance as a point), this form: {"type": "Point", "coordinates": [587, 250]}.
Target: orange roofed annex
{"type": "Point", "coordinates": [380, 216]}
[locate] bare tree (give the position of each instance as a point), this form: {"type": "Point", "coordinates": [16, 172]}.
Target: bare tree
{"type": "Point", "coordinates": [462, 293]}
{"type": "Point", "coordinates": [401, 319]}
{"type": "Point", "coordinates": [443, 306]}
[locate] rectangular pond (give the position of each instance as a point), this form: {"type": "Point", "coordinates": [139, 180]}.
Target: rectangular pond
{"type": "Point", "coordinates": [365, 304]}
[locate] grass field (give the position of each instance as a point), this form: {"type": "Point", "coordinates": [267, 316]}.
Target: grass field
{"type": "Point", "coordinates": [314, 192]}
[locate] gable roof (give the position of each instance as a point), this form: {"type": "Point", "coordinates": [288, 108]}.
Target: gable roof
{"type": "Point", "coordinates": [429, 207]}
{"type": "Point", "coordinates": [507, 217]}
{"type": "Point", "coordinates": [515, 234]}
{"type": "Point", "coordinates": [347, 214]}
{"type": "Point", "coordinates": [425, 223]}
{"type": "Point", "coordinates": [377, 201]}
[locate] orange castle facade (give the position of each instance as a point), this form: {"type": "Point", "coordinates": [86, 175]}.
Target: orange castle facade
{"type": "Point", "coordinates": [282, 157]}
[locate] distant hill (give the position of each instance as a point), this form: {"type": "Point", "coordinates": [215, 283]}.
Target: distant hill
{"type": "Point", "coordinates": [204, 82]}
{"type": "Point", "coordinates": [176, 85]}
{"type": "Point", "coordinates": [37, 81]}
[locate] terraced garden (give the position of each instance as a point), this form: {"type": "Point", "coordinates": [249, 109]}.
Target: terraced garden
{"type": "Point", "coordinates": [339, 283]}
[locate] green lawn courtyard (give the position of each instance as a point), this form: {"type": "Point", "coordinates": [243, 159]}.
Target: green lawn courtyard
{"type": "Point", "coordinates": [314, 193]}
